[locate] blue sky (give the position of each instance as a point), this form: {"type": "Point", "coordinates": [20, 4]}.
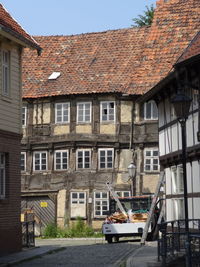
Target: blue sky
{"type": "Point", "coordinates": [57, 17]}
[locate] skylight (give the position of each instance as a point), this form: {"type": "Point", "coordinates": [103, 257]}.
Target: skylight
{"type": "Point", "coordinates": [54, 75]}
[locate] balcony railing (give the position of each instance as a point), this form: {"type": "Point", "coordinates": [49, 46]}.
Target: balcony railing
{"type": "Point", "coordinates": [172, 243]}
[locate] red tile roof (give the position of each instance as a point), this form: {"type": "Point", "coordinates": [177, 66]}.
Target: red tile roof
{"type": "Point", "coordinates": [9, 25]}
{"type": "Point", "coordinates": [127, 61]}
{"type": "Point", "coordinates": [192, 50]}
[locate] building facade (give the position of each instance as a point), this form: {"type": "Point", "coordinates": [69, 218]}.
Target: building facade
{"type": "Point", "coordinates": [73, 145]}
{"type": "Point", "coordinates": [82, 124]}
{"type": "Point", "coordinates": [186, 76]}
{"type": "Point", "coordinates": [13, 40]}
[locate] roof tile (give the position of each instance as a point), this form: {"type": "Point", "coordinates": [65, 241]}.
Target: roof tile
{"type": "Point", "coordinates": [125, 61]}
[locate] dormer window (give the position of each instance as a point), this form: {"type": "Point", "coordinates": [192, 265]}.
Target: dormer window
{"type": "Point", "coordinates": [150, 110]}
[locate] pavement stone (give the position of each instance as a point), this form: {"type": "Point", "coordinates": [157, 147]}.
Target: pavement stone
{"type": "Point", "coordinates": [143, 256]}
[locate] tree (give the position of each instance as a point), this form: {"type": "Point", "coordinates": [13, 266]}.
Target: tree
{"type": "Point", "coordinates": [146, 19]}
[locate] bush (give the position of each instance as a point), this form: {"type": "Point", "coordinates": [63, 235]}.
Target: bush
{"type": "Point", "coordinates": [78, 229]}
{"type": "Point", "coordinates": [51, 230]}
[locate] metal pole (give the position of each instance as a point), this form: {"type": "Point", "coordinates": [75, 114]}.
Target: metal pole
{"type": "Point", "coordinates": [184, 156]}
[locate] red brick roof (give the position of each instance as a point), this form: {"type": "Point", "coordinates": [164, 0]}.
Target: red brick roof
{"type": "Point", "coordinates": [127, 61]}
{"type": "Point", "coordinates": [9, 25]}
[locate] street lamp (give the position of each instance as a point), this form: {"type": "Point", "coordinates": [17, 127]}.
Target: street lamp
{"type": "Point", "coordinates": [132, 174]}
{"type": "Point", "coordinates": [181, 104]}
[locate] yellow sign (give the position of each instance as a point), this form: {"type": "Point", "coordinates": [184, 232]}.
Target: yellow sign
{"type": "Point", "coordinates": [43, 204]}
{"type": "Point", "coordinates": [22, 217]}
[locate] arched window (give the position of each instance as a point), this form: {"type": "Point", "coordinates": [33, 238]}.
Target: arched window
{"type": "Point", "coordinates": [150, 110]}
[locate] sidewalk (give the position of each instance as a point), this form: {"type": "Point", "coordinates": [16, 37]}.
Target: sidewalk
{"type": "Point", "coordinates": [144, 256]}
{"type": "Point", "coordinates": [43, 246]}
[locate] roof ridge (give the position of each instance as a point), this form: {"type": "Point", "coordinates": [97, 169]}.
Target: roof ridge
{"type": "Point", "coordinates": [95, 33]}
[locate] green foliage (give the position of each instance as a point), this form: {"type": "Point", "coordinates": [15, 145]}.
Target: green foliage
{"type": "Point", "coordinates": [51, 230]}
{"type": "Point", "coordinates": [78, 229]}
{"type": "Point", "coordinates": [146, 19]}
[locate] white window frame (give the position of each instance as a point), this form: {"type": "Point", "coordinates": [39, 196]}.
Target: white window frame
{"type": "Point", "coordinates": [2, 175]}
{"type": "Point", "coordinates": [108, 111]}
{"type": "Point", "coordinates": [62, 121]}
{"type": "Point", "coordinates": [151, 158]}
{"type": "Point", "coordinates": [122, 193]}
{"type": "Point", "coordinates": [40, 161]}
{"type": "Point", "coordinates": [101, 199]}
{"type": "Point", "coordinates": [153, 104]}
{"type": "Point", "coordinates": [24, 154]}
{"type": "Point", "coordinates": [5, 72]}
{"type": "Point", "coordinates": [106, 158]}
{"type": "Point", "coordinates": [61, 160]}
{"type": "Point", "coordinates": [78, 200]}
{"type": "Point", "coordinates": [84, 112]}
{"type": "Point", "coordinates": [177, 179]}
{"type": "Point", "coordinates": [24, 116]}
{"type": "Point", "coordinates": [83, 151]}
{"type": "Point", "coordinates": [178, 208]}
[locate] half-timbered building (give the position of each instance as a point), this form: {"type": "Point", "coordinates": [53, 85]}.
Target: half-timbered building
{"type": "Point", "coordinates": [185, 77]}
{"type": "Point", "coordinates": [81, 124]}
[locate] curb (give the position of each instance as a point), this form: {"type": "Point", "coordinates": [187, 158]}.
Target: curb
{"type": "Point", "coordinates": [27, 258]}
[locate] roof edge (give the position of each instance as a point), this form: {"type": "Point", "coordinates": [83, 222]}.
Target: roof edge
{"type": "Point", "coordinates": [24, 40]}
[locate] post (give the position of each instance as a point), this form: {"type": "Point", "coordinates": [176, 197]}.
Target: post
{"type": "Point", "coordinates": [184, 156]}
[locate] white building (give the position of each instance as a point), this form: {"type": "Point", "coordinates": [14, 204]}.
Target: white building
{"type": "Point", "coordinates": [186, 75]}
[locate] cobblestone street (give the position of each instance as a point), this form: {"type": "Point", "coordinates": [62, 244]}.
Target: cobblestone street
{"type": "Point", "coordinates": [83, 253]}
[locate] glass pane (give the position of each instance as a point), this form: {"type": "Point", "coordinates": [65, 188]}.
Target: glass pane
{"type": "Point", "coordinates": [104, 195]}
{"type": "Point", "coordinates": [148, 153]}
{"type": "Point", "coordinates": [155, 153]}
{"type": "Point", "coordinates": [97, 195]}
{"type": "Point", "coordinates": [148, 111]}
{"type": "Point", "coordinates": [111, 105]}
{"type": "Point", "coordinates": [147, 167]}
{"type": "Point", "coordinates": [81, 195]}
{"type": "Point", "coordinates": [102, 165]}
{"type": "Point", "coordinates": [155, 110]}
{"type": "Point", "coordinates": [74, 195]}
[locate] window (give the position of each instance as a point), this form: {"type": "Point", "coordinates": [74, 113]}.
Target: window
{"type": "Point", "coordinates": [177, 179]}
{"type": "Point", "coordinates": [24, 113]}
{"type": "Point", "coordinates": [178, 209]}
{"type": "Point", "coordinates": [123, 193]}
{"type": "Point", "coordinates": [101, 206]}
{"type": "Point", "coordinates": [78, 197]}
{"type": "Point", "coordinates": [61, 160]}
{"type": "Point", "coordinates": [106, 158]}
{"type": "Point", "coordinates": [84, 112]}
{"type": "Point", "coordinates": [62, 112]}
{"type": "Point", "coordinates": [150, 110]}
{"type": "Point", "coordinates": [2, 175]}
{"type": "Point", "coordinates": [40, 161]}
{"type": "Point", "coordinates": [107, 111]}
{"type": "Point", "coordinates": [23, 161]}
{"type": "Point", "coordinates": [78, 204]}
{"type": "Point", "coordinates": [83, 159]}
{"type": "Point", "coordinates": [5, 72]}
{"type": "Point", "coordinates": [151, 160]}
